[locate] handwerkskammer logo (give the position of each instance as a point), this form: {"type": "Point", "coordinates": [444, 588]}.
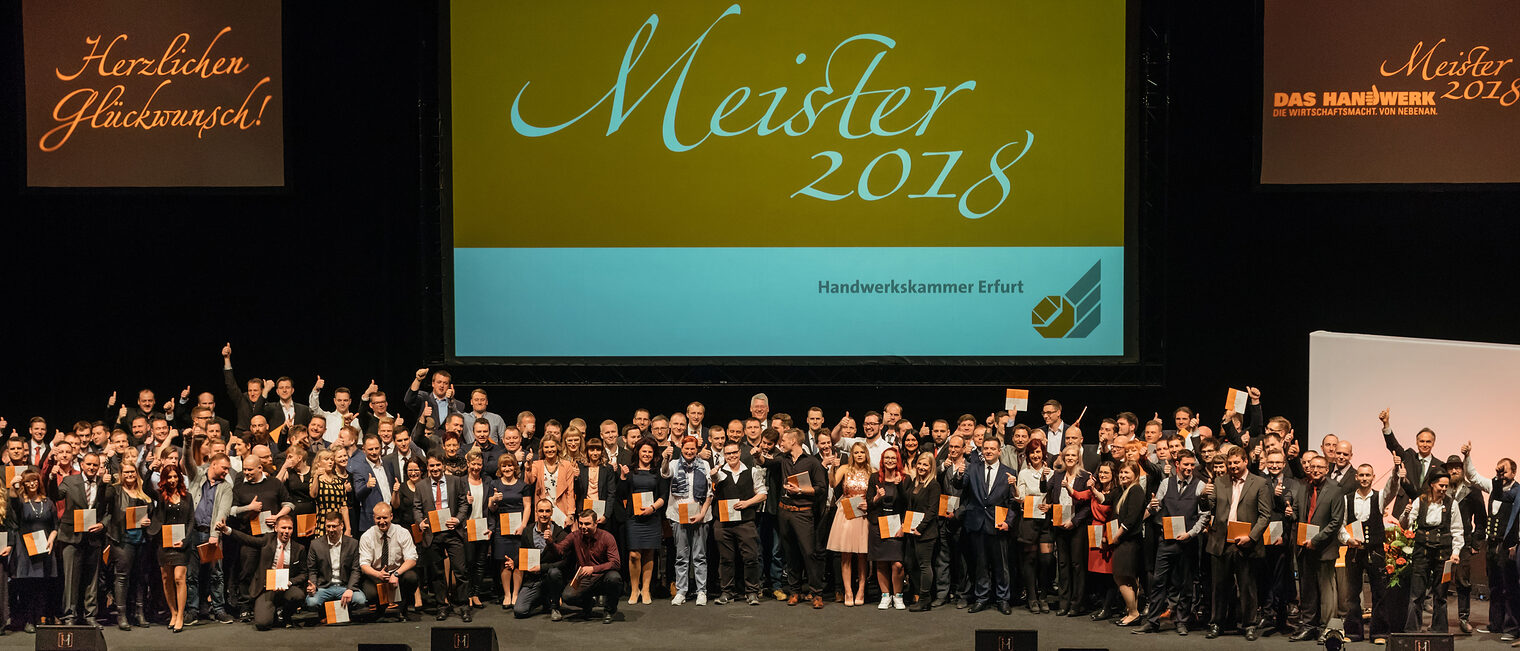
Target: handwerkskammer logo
{"type": "Point", "coordinates": [1072, 315]}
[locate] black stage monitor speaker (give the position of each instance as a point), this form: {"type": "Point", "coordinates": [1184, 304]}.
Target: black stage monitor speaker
{"type": "Point", "coordinates": [464, 638]}
{"type": "Point", "coordinates": [385, 647]}
{"type": "Point", "coordinates": [1420, 642]}
{"type": "Point", "coordinates": [70, 638]}
{"type": "Point", "coordinates": [1007, 640]}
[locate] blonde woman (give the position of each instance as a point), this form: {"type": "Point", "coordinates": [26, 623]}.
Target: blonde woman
{"type": "Point", "coordinates": [329, 489]}
{"type": "Point", "coordinates": [129, 548]}
{"type": "Point", "coordinates": [850, 536]}
{"type": "Point", "coordinates": [553, 478]}
{"type": "Point", "coordinates": [575, 445]}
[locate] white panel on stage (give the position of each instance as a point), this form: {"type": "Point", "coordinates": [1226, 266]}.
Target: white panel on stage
{"type": "Point", "coordinates": [1460, 389]}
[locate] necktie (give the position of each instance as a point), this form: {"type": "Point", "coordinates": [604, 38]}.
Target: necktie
{"type": "Point", "coordinates": [989, 480]}
{"type": "Point", "coordinates": [385, 549]}
{"type": "Point", "coordinates": [437, 495]}
{"type": "Point", "coordinates": [279, 557]}
{"type": "Point", "coordinates": [1313, 502]}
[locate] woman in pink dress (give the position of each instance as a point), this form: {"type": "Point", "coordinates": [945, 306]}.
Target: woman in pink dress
{"type": "Point", "coordinates": [849, 536]}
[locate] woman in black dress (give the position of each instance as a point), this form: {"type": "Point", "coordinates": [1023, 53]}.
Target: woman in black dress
{"type": "Point", "coordinates": [887, 552]}
{"type": "Point", "coordinates": [32, 511]}
{"type": "Point", "coordinates": [402, 503]}
{"type": "Point", "coordinates": [507, 498]}
{"type": "Point", "coordinates": [1127, 561]}
{"type": "Point", "coordinates": [130, 544]}
{"type": "Point", "coordinates": [645, 526]}
{"type": "Point", "coordinates": [174, 506]}
{"type": "Point", "coordinates": [923, 497]}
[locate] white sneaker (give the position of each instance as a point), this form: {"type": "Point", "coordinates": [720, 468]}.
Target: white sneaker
{"type": "Point", "coordinates": [679, 599]}
{"type": "Point", "coordinates": [701, 598]}
{"type": "Point", "coordinates": [897, 602]}
{"type": "Point", "coordinates": [886, 602]}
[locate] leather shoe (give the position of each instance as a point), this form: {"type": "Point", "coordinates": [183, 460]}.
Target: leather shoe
{"type": "Point", "coordinates": [1148, 628]}
{"type": "Point", "coordinates": [555, 615]}
{"type": "Point", "coordinates": [939, 602]}
{"type": "Point", "coordinates": [1100, 615]}
{"type": "Point", "coordinates": [817, 602]}
{"type": "Point", "coordinates": [922, 606]}
{"type": "Point", "coordinates": [1004, 608]}
{"type": "Point", "coordinates": [466, 614]}
{"type": "Point", "coordinates": [443, 613]}
{"type": "Point", "coordinates": [1063, 612]}
{"type": "Point", "coordinates": [1303, 634]}
{"type": "Point", "coordinates": [1465, 627]}
{"type": "Point", "coordinates": [1251, 634]}
{"type": "Point", "coordinates": [1182, 629]}
{"type": "Point", "coordinates": [792, 600]}
{"type": "Point", "coordinates": [1213, 632]}
{"type": "Point", "coordinates": [977, 607]}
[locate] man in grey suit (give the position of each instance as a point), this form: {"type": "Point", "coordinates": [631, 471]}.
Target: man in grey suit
{"type": "Point", "coordinates": [1236, 496]}
{"type": "Point", "coordinates": [80, 550]}
{"type": "Point", "coordinates": [333, 560]}
{"type": "Point", "coordinates": [1324, 507]}
{"type": "Point", "coordinates": [436, 491]}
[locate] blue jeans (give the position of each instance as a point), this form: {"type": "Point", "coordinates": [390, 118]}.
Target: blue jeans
{"type": "Point", "coordinates": [691, 555]}
{"type": "Point", "coordinates": [333, 593]}
{"type": "Point", "coordinates": [203, 580]}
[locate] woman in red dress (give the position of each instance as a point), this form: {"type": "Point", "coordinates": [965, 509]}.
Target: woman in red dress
{"type": "Point", "coordinates": [1099, 560]}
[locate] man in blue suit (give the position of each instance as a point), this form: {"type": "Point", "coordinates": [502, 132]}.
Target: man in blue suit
{"type": "Point", "coordinates": [984, 488]}
{"type": "Point", "coordinates": [374, 478]}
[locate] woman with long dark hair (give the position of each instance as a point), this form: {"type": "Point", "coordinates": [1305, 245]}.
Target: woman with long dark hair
{"type": "Point", "coordinates": [31, 511]}
{"type": "Point", "coordinates": [507, 497]}
{"type": "Point", "coordinates": [1037, 565]}
{"type": "Point", "coordinates": [1437, 525]}
{"type": "Point", "coordinates": [644, 523]}
{"type": "Point", "coordinates": [1102, 498]}
{"type": "Point", "coordinates": [174, 506]}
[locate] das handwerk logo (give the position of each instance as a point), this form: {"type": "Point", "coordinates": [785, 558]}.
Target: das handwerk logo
{"type": "Point", "coordinates": [1072, 315]}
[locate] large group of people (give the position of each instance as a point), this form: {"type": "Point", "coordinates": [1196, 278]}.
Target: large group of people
{"type": "Point", "coordinates": [278, 511]}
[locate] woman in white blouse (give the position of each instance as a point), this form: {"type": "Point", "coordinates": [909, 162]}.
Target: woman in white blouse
{"type": "Point", "coordinates": [1034, 528]}
{"type": "Point", "coordinates": [1437, 525]}
{"type": "Point", "coordinates": [691, 490]}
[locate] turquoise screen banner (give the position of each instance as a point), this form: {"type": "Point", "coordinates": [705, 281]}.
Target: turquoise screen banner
{"type": "Point", "coordinates": [787, 179]}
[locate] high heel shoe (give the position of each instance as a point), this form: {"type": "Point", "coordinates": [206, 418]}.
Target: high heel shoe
{"type": "Point", "coordinates": [1133, 622]}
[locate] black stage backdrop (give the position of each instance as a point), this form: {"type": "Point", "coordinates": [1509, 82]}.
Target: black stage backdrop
{"type": "Point", "coordinates": [120, 290]}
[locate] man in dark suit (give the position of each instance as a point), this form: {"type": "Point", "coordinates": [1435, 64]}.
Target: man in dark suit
{"type": "Point", "coordinates": [87, 500]}
{"type": "Point", "coordinates": [1365, 554]}
{"type": "Point", "coordinates": [273, 607]}
{"type": "Point", "coordinates": [1090, 456]}
{"type": "Point", "coordinates": [405, 451]}
{"type": "Point", "coordinates": [1236, 496]}
{"type": "Point", "coordinates": [1418, 462]}
{"type": "Point", "coordinates": [440, 397]}
{"type": "Point", "coordinates": [439, 491]}
{"type": "Point", "coordinates": [373, 477]}
{"type": "Point", "coordinates": [986, 487]}
{"type": "Point", "coordinates": [1342, 471]}
{"type": "Point", "coordinates": [1323, 507]}
{"type": "Point", "coordinates": [285, 411]}
{"type": "Point", "coordinates": [333, 559]}
{"type": "Point", "coordinates": [1502, 535]}
{"type": "Point", "coordinates": [1277, 589]}
{"type": "Point", "coordinates": [540, 588]}
{"type": "Point", "coordinates": [952, 578]}
{"type": "Point", "coordinates": [248, 403]}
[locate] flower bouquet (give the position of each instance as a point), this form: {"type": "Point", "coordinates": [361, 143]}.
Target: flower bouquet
{"type": "Point", "coordinates": [1398, 544]}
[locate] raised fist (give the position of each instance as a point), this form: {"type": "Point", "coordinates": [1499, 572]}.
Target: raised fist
{"type": "Point", "coordinates": [421, 373]}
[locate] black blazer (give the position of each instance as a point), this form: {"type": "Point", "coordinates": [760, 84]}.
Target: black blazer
{"type": "Point", "coordinates": [71, 492]}
{"type": "Point", "coordinates": [550, 555]}
{"type": "Point", "coordinates": [458, 503]}
{"type": "Point", "coordinates": [116, 524]}
{"type": "Point", "coordinates": [1081, 508]}
{"type": "Point", "coordinates": [319, 560]}
{"type": "Point", "coordinates": [299, 570]}
{"type": "Point", "coordinates": [1131, 513]}
{"type": "Point", "coordinates": [606, 484]}
{"type": "Point", "coordinates": [1411, 484]}
{"type": "Point", "coordinates": [926, 501]}
{"type": "Point", "coordinates": [1330, 516]}
{"type": "Point", "coordinates": [275, 414]}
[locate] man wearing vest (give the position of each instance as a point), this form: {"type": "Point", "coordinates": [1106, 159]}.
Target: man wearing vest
{"type": "Point", "coordinates": [1502, 535]}
{"type": "Point", "coordinates": [1317, 550]}
{"type": "Point", "coordinates": [1275, 588]}
{"type": "Point", "coordinates": [1177, 554]}
{"type": "Point", "coordinates": [737, 539]}
{"type": "Point", "coordinates": [1365, 554]}
{"type": "Point", "coordinates": [1470, 502]}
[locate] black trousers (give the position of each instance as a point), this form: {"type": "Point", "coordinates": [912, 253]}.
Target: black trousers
{"type": "Point", "coordinates": [919, 566]}
{"type": "Point", "coordinates": [1071, 565]}
{"type": "Point", "coordinates": [609, 585]}
{"type": "Point", "coordinates": [1275, 586]}
{"type": "Point", "coordinates": [448, 544]}
{"type": "Point", "coordinates": [284, 601]}
{"type": "Point", "coordinates": [132, 576]}
{"type": "Point", "coordinates": [1375, 566]}
{"type": "Point", "coordinates": [407, 583]}
{"type": "Point", "coordinates": [1425, 566]}
{"type": "Point", "coordinates": [81, 576]}
{"type": "Point", "coordinates": [795, 529]}
{"type": "Point", "coordinates": [1234, 574]}
{"type": "Point", "coordinates": [1461, 581]}
{"type": "Point", "coordinates": [1503, 584]}
{"type": "Point", "coordinates": [1172, 583]}
{"type": "Point", "coordinates": [988, 552]}
{"type": "Point", "coordinates": [477, 558]}
{"type": "Point", "coordinates": [247, 559]}
{"type": "Point", "coordinates": [738, 544]}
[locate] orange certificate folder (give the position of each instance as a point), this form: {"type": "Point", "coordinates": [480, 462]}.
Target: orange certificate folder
{"type": "Point", "coordinates": [1094, 536]}
{"type": "Point", "coordinates": [686, 512]}
{"type": "Point", "coordinates": [337, 613]}
{"type": "Point", "coordinates": [510, 521]}
{"type": "Point", "coordinates": [527, 559]}
{"type": "Point", "coordinates": [257, 526]}
{"type": "Point", "coordinates": [1445, 571]}
{"type": "Point", "coordinates": [889, 526]}
{"type": "Point", "coordinates": [1274, 533]}
{"type": "Point", "coordinates": [1236, 529]}
{"type": "Point", "coordinates": [477, 529]}
{"type": "Point", "coordinates": [1306, 532]}
{"type": "Point", "coordinates": [1173, 525]}
{"type": "Point", "coordinates": [277, 579]}
{"type": "Point", "coordinates": [306, 524]}
{"type": "Point", "coordinates": [912, 520]}
{"type": "Point", "coordinates": [416, 533]}
{"type": "Point", "coordinates": [1235, 400]}
{"type": "Point", "coordinates": [385, 593]}
{"type": "Point", "coordinates": [133, 515]}
{"type": "Point", "coordinates": [947, 505]}
{"type": "Point", "coordinates": [36, 543]}
{"type": "Point", "coordinates": [1061, 514]}
{"type": "Point", "coordinates": [852, 507]}
{"type": "Point", "coordinates": [437, 520]}
{"type": "Point", "coordinates": [597, 506]}
{"type": "Point", "coordinates": [1354, 530]}
{"type": "Point", "coordinates": [800, 480]}
{"type": "Point", "coordinates": [728, 511]}
{"type": "Point", "coordinates": [642, 500]}
{"type": "Point", "coordinates": [1114, 530]}
{"type": "Point", "coordinates": [1016, 400]}
{"type": "Point", "coordinates": [12, 473]}
{"type": "Point", "coordinates": [84, 519]}
{"type": "Point", "coordinates": [1032, 505]}
{"type": "Point", "coordinates": [999, 514]}
{"type": "Point", "coordinates": [173, 534]}
{"type": "Point", "coordinates": [1340, 561]}
{"type": "Point", "coordinates": [210, 552]}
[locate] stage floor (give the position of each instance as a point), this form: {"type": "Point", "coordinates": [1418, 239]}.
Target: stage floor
{"type": "Point", "coordinates": [767, 626]}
